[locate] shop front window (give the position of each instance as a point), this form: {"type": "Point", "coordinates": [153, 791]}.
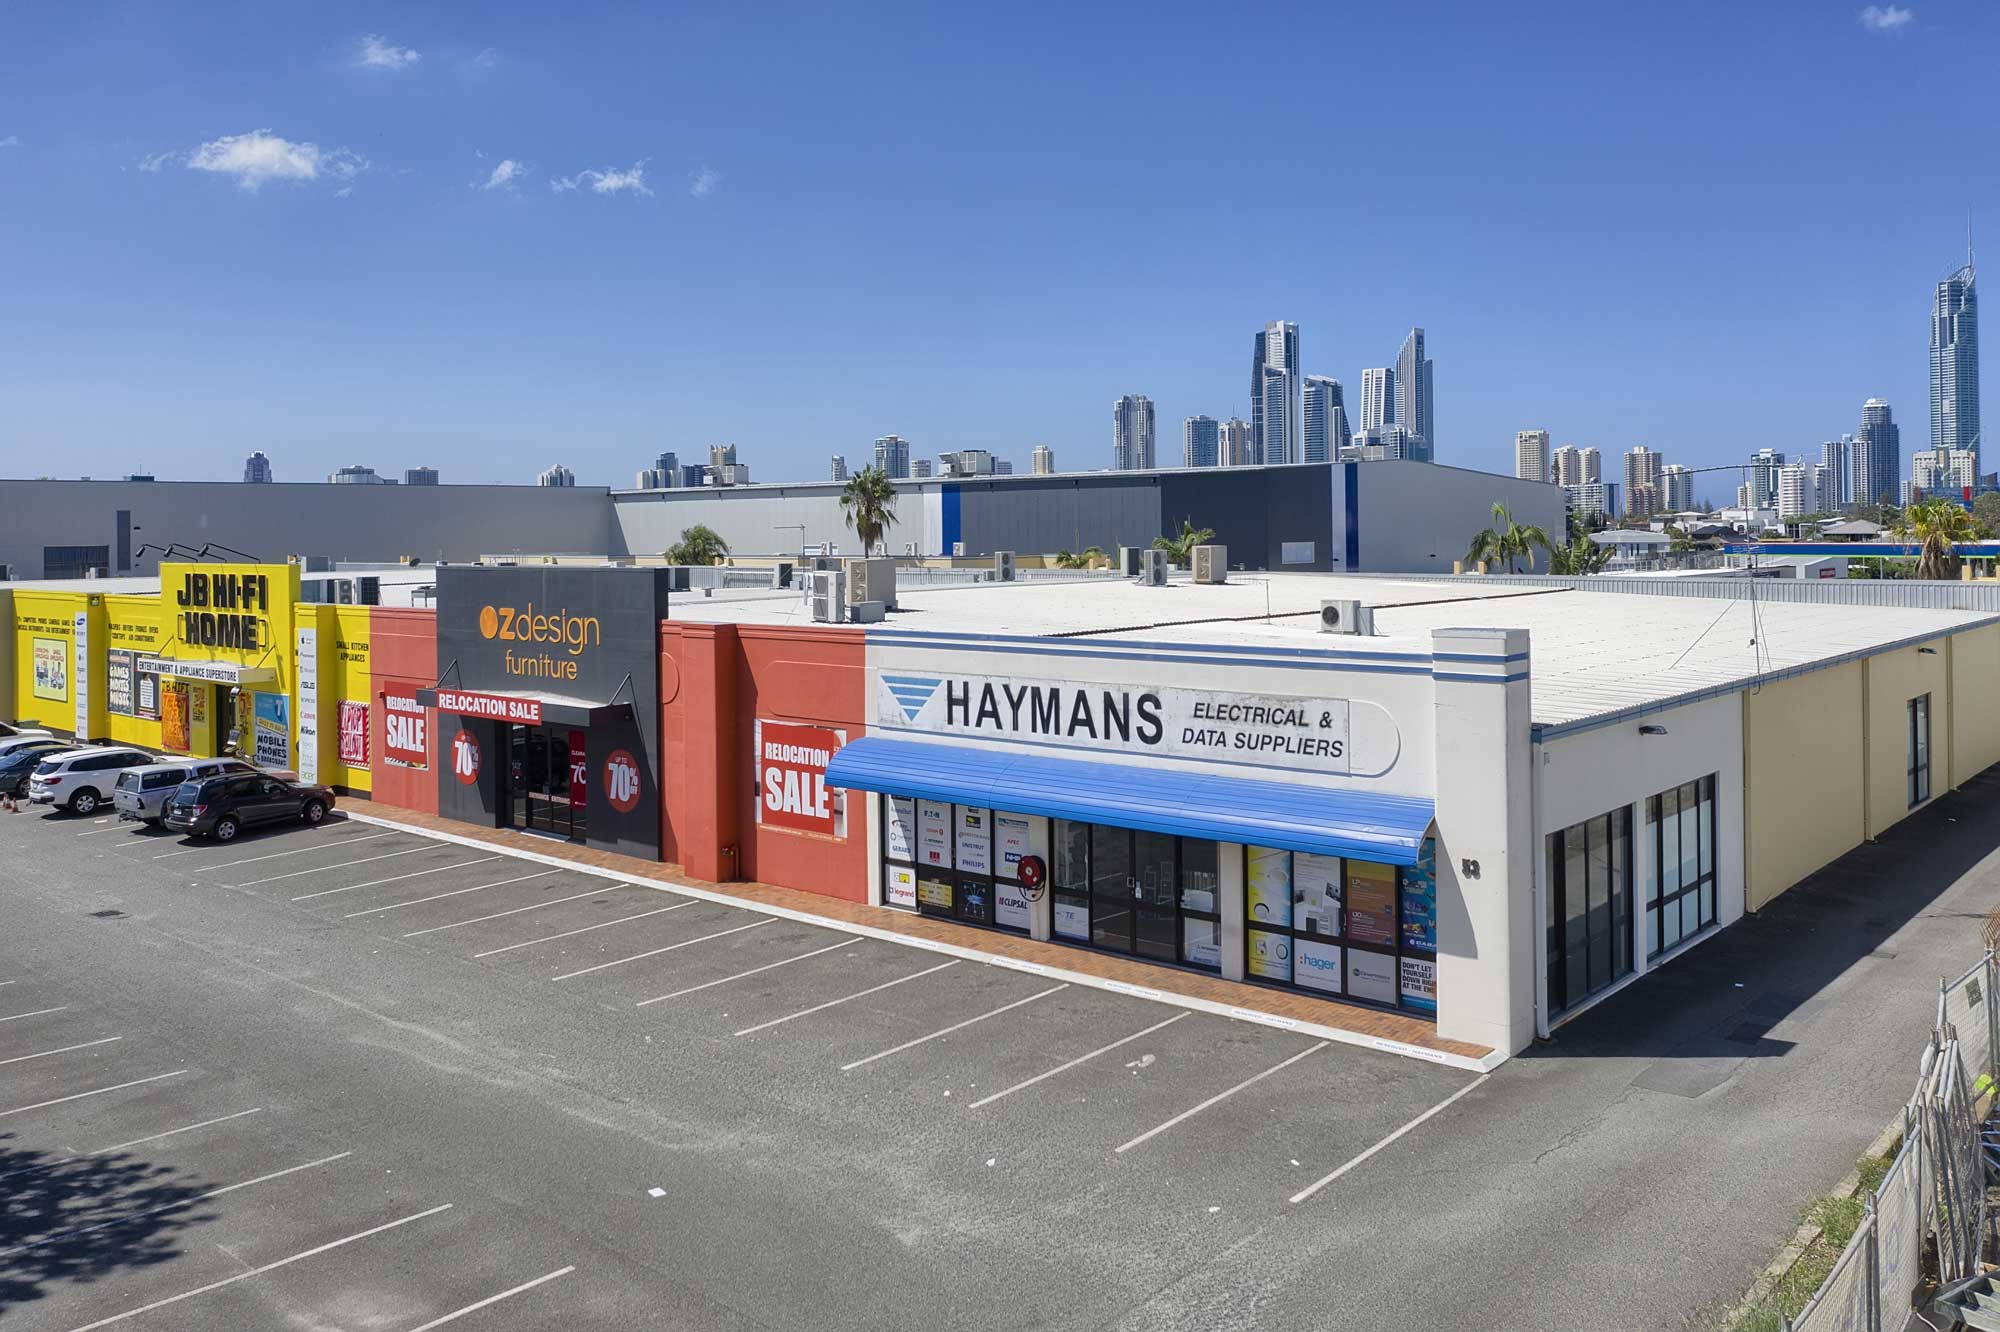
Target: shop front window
{"type": "Point", "coordinates": [955, 861]}
{"type": "Point", "coordinates": [1920, 750]}
{"type": "Point", "coordinates": [1589, 942]}
{"type": "Point", "coordinates": [1680, 885]}
{"type": "Point", "coordinates": [1349, 928]}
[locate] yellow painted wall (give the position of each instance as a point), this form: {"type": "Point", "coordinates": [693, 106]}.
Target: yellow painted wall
{"type": "Point", "coordinates": [47, 618]}
{"type": "Point", "coordinates": [189, 588]}
{"type": "Point", "coordinates": [1975, 726]}
{"type": "Point", "coordinates": [345, 676]}
{"type": "Point", "coordinates": [131, 624]}
{"type": "Point", "coordinates": [1802, 777]}
{"type": "Point", "coordinates": [1894, 678]}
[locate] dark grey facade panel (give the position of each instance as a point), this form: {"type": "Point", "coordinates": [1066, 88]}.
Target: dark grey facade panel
{"type": "Point", "coordinates": [1257, 512]}
{"type": "Point", "coordinates": [1041, 515]}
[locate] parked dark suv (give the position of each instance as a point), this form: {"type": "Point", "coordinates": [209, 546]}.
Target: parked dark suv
{"type": "Point", "coordinates": [221, 807]}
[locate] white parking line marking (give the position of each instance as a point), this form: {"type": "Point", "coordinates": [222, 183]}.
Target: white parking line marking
{"type": "Point", "coordinates": [121, 1146]}
{"type": "Point", "coordinates": [322, 869]}
{"type": "Point", "coordinates": [571, 975]}
{"type": "Point", "coordinates": [92, 832]}
{"type": "Point", "coordinates": [1318, 1184]}
{"type": "Point", "coordinates": [439, 897]}
{"type": "Point", "coordinates": [295, 851]}
{"type": "Point", "coordinates": [529, 943]}
{"type": "Point", "coordinates": [37, 1013]}
{"type": "Point", "coordinates": [956, 1026]}
{"type": "Point", "coordinates": [537, 906]}
{"type": "Point", "coordinates": [258, 1271]}
{"type": "Point", "coordinates": [862, 994]}
{"type": "Point", "coordinates": [130, 1217]}
{"type": "Point", "coordinates": [22, 1059]}
{"type": "Point", "coordinates": [494, 1299]}
{"type": "Point", "coordinates": [1220, 1097]}
{"type": "Point", "coordinates": [6, 982]}
{"type": "Point", "coordinates": [394, 878]}
{"type": "Point", "coordinates": [62, 1100]}
{"type": "Point", "coordinates": [1080, 1059]}
{"type": "Point", "coordinates": [769, 966]}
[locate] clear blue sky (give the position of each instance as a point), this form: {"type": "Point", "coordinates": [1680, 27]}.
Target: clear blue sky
{"type": "Point", "coordinates": [1701, 228]}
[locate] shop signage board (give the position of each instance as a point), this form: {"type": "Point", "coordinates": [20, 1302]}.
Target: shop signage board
{"type": "Point", "coordinates": [406, 740]}
{"type": "Point", "coordinates": [308, 673]}
{"type": "Point", "coordinates": [493, 707]}
{"type": "Point", "coordinates": [118, 682]}
{"type": "Point", "coordinates": [791, 778]}
{"type": "Point", "coordinates": [273, 727]}
{"type": "Point", "coordinates": [80, 676]}
{"type": "Point", "coordinates": [900, 888]}
{"type": "Point", "coordinates": [145, 693]}
{"type": "Point", "coordinates": [1307, 735]}
{"type": "Point", "coordinates": [353, 734]}
{"type": "Point", "coordinates": [52, 669]}
{"type": "Point", "coordinates": [207, 672]}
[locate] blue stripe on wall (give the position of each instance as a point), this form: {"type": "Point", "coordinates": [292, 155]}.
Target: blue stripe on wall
{"type": "Point", "coordinates": [950, 537]}
{"type": "Point", "coordinates": [1353, 503]}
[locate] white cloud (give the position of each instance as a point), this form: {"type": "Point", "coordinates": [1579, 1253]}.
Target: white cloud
{"type": "Point", "coordinates": [486, 59]}
{"type": "Point", "coordinates": [11, 141]}
{"type": "Point", "coordinates": [702, 183]}
{"type": "Point", "coordinates": [505, 175]}
{"type": "Point", "coordinates": [259, 157]}
{"type": "Point", "coordinates": [1886, 18]}
{"type": "Point", "coordinates": [378, 52]}
{"type": "Point", "coordinates": [611, 180]}
{"type": "Point", "coordinates": [154, 161]}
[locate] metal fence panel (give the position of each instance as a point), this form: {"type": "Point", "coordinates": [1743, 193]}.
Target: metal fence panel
{"type": "Point", "coordinates": [1967, 1004]}
{"type": "Point", "coordinates": [1899, 1232]}
{"type": "Point", "coordinates": [1842, 1304]}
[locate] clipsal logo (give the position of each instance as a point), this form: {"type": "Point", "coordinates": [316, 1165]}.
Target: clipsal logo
{"type": "Point", "coordinates": [465, 757]}
{"type": "Point", "coordinates": [621, 781]}
{"type": "Point", "coordinates": [527, 625]}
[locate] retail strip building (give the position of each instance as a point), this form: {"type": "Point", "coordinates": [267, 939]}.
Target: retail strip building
{"type": "Point", "coordinates": [1502, 805]}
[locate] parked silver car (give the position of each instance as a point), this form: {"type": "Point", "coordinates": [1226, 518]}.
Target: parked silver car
{"type": "Point", "coordinates": [82, 779]}
{"type": "Point", "coordinates": [142, 793]}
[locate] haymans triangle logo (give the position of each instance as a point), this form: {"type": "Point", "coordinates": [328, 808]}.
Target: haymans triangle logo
{"type": "Point", "coordinates": [911, 693]}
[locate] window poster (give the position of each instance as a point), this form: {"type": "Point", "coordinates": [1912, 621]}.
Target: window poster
{"type": "Point", "coordinates": [934, 892]}
{"type": "Point", "coordinates": [933, 833]}
{"type": "Point", "coordinates": [51, 669]}
{"type": "Point", "coordinates": [1201, 942]}
{"type": "Point", "coordinates": [900, 887]}
{"type": "Point", "coordinates": [1371, 976]}
{"type": "Point", "coordinates": [1371, 903]}
{"type": "Point", "coordinates": [354, 734]}
{"type": "Point", "coordinates": [1316, 884]}
{"type": "Point", "coordinates": [1267, 888]}
{"type": "Point", "coordinates": [146, 696]}
{"type": "Point", "coordinates": [273, 727]}
{"type": "Point", "coordinates": [1071, 919]}
{"type": "Point", "coordinates": [1270, 956]}
{"type": "Point", "coordinates": [899, 832]}
{"type": "Point", "coordinates": [1420, 900]}
{"type": "Point", "coordinates": [174, 728]}
{"type": "Point", "coordinates": [1014, 832]}
{"type": "Point", "coordinates": [975, 840]}
{"type": "Point", "coordinates": [1420, 984]}
{"type": "Point", "coordinates": [1010, 904]}
{"type": "Point", "coordinates": [118, 681]}
{"type": "Point", "coordinates": [1316, 966]}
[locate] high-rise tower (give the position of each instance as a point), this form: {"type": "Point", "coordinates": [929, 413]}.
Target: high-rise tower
{"type": "Point", "coordinates": [1274, 394]}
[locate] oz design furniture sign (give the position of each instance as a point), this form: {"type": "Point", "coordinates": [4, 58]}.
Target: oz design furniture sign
{"type": "Point", "coordinates": [1306, 734]}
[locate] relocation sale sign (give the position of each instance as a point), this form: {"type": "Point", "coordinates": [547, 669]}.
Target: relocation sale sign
{"type": "Point", "coordinates": [406, 738]}
{"type": "Point", "coordinates": [791, 778]}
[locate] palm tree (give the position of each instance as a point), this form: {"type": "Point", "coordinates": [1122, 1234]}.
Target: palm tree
{"type": "Point", "coordinates": [1069, 559]}
{"type": "Point", "coordinates": [869, 502]}
{"type": "Point", "coordinates": [1580, 555]}
{"type": "Point", "coordinates": [1508, 540]}
{"type": "Point", "coordinates": [1937, 525]}
{"type": "Point", "coordinates": [1180, 548]}
{"type": "Point", "coordinates": [698, 545]}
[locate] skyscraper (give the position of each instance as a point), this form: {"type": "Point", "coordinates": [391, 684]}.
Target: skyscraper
{"type": "Point", "coordinates": [1797, 490]}
{"type": "Point", "coordinates": [1378, 397]}
{"type": "Point", "coordinates": [1877, 455]}
{"type": "Point", "coordinates": [257, 469]}
{"type": "Point", "coordinates": [1566, 466]}
{"type": "Point", "coordinates": [1955, 364]}
{"type": "Point", "coordinates": [1531, 455]}
{"type": "Point", "coordinates": [1044, 461]}
{"type": "Point", "coordinates": [1274, 394]}
{"type": "Point", "coordinates": [557, 476]}
{"type": "Point", "coordinates": [1642, 482]}
{"type": "Point", "coordinates": [1132, 433]}
{"type": "Point", "coordinates": [838, 470]}
{"type": "Point", "coordinates": [1764, 467]}
{"type": "Point", "coordinates": [1593, 466]}
{"type": "Point", "coordinates": [1677, 487]}
{"type": "Point", "coordinates": [920, 468]}
{"type": "Point", "coordinates": [1413, 393]}
{"type": "Point", "coordinates": [1325, 420]}
{"type": "Point", "coordinates": [1200, 441]}
{"type": "Point", "coordinates": [1837, 490]}
{"type": "Point", "coordinates": [420, 476]}
{"type": "Point", "coordinates": [892, 455]}
{"type": "Point", "coordinates": [1232, 443]}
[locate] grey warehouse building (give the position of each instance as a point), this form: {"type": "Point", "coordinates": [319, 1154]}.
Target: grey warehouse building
{"type": "Point", "coordinates": [1394, 517]}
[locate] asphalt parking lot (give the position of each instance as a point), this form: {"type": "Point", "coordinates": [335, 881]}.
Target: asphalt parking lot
{"type": "Point", "coordinates": [356, 1077]}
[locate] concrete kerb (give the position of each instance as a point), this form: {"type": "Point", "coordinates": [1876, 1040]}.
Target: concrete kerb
{"type": "Point", "coordinates": [1079, 978]}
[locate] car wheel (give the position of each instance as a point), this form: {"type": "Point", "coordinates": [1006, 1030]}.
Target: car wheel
{"type": "Point", "coordinates": [226, 828]}
{"type": "Point", "coordinates": [314, 812]}
{"type": "Point", "coordinates": [84, 802]}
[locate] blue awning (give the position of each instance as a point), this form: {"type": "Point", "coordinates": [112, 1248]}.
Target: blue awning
{"type": "Point", "coordinates": [1387, 829]}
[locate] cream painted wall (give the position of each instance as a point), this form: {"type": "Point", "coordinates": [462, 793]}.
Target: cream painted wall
{"type": "Point", "coordinates": [1894, 678]}
{"type": "Point", "coordinates": [1803, 777]}
{"type": "Point", "coordinates": [1975, 727]}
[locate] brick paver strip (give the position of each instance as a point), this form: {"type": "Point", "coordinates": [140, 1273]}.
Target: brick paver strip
{"type": "Point", "coordinates": [1366, 1022]}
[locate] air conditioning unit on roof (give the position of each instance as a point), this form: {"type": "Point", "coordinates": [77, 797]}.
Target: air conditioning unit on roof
{"type": "Point", "coordinates": [1153, 568]}
{"type": "Point", "coordinates": [871, 580]}
{"type": "Point", "coordinates": [1343, 616]}
{"type": "Point", "coordinates": [1211, 564]}
{"type": "Point", "coordinates": [828, 593]}
{"type": "Point", "coordinates": [1003, 566]}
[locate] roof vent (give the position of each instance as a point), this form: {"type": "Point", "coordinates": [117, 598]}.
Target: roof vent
{"type": "Point", "coordinates": [1346, 617]}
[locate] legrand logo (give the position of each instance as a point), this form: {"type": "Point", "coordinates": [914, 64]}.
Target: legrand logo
{"type": "Point", "coordinates": [572, 633]}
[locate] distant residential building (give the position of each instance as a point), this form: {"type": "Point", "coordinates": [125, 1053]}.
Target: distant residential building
{"type": "Point", "coordinates": [257, 469]}
{"type": "Point", "coordinates": [1044, 463]}
{"type": "Point", "coordinates": [1384, 443]}
{"type": "Point", "coordinates": [1274, 393]}
{"type": "Point", "coordinates": [1232, 443]}
{"type": "Point", "coordinates": [1955, 364]}
{"type": "Point", "coordinates": [1878, 454]}
{"type": "Point", "coordinates": [1531, 455]}
{"type": "Point", "coordinates": [730, 473]}
{"type": "Point", "coordinates": [1764, 465]}
{"type": "Point", "coordinates": [1593, 466]}
{"type": "Point", "coordinates": [1132, 433]}
{"type": "Point", "coordinates": [1642, 482]}
{"type": "Point", "coordinates": [1003, 467]}
{"type": "Point", "coordinates": [420, 476]}
{"type": "Point", "coordinates": [556, 476]}
{"type": "Point", "coordinates": [1378, 401]}
{"type": "Point", "coordinates": [654, 478]}
{"type": "Point", "coordinates": [1837, 456]}
{"type": "Point", "coordinates": [1591, 499]}
{"type": "Point", "coordinates": [693, 475]}
{"type": "Point", "coordinates": [1566, 466]}
{"type": "Point", "coordinates": [355, 474]}
{"type": "Point", "coordinates": [892, 455]}
{"type": "Point", "coordinates": [1798, 490]}
{"type": "Point", "coordinates": [1414, 410]}
{"type": "Point", "coordinates": [1677, 487]}
{"type": "Point", "coordinates": [1935, 472]}
{"type": "Point", "coordinates": [1325, 420]}
{"type": "Point", "coordinates": [1201, 441]}
{"type": "Point", "coordinates": [921, 467]}
{"type": "Point", "coordinates": [966, 462]}
{"type": "Point", "coordinates": [838, 471]}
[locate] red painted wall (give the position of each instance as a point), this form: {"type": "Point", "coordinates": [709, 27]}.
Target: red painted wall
{"type": "Point", "coordinates": [403, 651]}
{"type": "Point", "coordinates": [716, 681]}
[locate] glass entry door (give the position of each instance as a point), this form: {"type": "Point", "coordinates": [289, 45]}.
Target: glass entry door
{"type": "Point", "coordinates": [543, 794]}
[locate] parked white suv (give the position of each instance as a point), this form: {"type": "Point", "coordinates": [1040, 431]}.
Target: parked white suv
{"type": "Point", "coordinates": [141, 794]}
{"type": "Point", "coordinates": [82, 780]}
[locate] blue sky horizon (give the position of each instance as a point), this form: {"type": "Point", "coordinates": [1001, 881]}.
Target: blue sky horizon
{"type": "Point", "coordinates": [491, 240]}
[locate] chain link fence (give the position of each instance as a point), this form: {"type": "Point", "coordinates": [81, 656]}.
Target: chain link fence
{"type": "Point", "coordinates": [1923, 1225]}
